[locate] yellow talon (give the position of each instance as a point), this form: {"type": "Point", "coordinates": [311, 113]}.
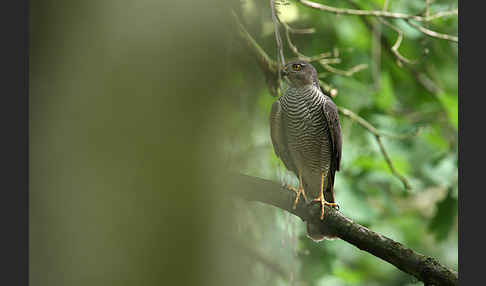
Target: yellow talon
{"type": "Point", "coordinates": [322, 200]}
{"type": "Point", "coordinates": [298, 191]}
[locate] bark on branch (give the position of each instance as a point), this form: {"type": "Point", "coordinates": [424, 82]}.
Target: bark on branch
{"type": "Point", "coordinates": [426, 269]}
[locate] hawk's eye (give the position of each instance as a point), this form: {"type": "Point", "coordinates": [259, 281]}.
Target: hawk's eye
{"type": "Point", "coordinates": [296, 67]}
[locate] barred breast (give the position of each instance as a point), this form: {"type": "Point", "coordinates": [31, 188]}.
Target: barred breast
{"type": "Point", "coordinates": [307, 133]}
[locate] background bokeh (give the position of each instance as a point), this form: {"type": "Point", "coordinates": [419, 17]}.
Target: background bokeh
{"type": "Point", "coordinates": [138, 106]}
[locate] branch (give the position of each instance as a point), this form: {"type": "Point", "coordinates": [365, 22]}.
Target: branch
{"type": "Point", "coordinates": [267, 65]}
{"type": "Point", "coordinates": [300, 31]}
{"type": "Point", "coordinates": [353, 116]}
{"type": "Point", "coordinates": [442, 14]}
{"type": "Point", "coordinates": [397, 44]}
{"type": "Point", "coordinates": [376, 13]}
{"type": "Point", "coordinates": [322, 58]}
{"type": "Point", "coordinates": [277, 34]}
{"type": "Point", "coordinates": [378, 134]}
{"type": "Point", "coordinates": [294, 49]}
{"type": "Point", "coordinates": [386, 14]}
{"type": "Point", "coordinates": [349, 72]}
{"type": "Point", "coordinates": [426, 269]}
{"type": "Point", "coordinates": [388, 47]}
{"type": "Point", "coordinates": [433, 34]}
{"type": "Point", "coordinates": [421, 77]}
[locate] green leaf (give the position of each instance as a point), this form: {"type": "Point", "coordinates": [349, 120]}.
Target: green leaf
{"type": "Point", "coordinates": [449, 102]}
{"type": "Point", "coordinates": [443, 220]}
{"type": "Point", "coordinates": [434, 137]}
{"type": "Point", "coordinates": [385, 96]}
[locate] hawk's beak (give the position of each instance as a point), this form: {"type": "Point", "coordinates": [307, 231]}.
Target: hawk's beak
{"type": "Point", "coordinates": [284, 71]}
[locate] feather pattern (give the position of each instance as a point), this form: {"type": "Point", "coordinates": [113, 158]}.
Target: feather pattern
{"type": "Point", "coordinates": [306, 136]}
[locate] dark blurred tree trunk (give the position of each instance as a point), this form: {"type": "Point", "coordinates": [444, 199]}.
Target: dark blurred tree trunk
{"type": "Point", "coordinates": [124, 100]}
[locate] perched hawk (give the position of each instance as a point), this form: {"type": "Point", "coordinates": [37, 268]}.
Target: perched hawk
{"type": "Point", "coordinates": [306, 136]}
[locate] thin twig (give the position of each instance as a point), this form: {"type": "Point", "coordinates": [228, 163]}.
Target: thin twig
{"type": "Point", "coordinates": [267, 65]}
{"type": "Point", "coordinates": [361, 121]}
{"type": "Point", "coordinates": [442, 14]}
{"type": "Point", "coordinates": [349, 72]}
{"type": "Point", "coordinates": [386, 14]}
{"type": "Point", "coordinates": [376, 13]}
{"type": "Point", "coordinates": [378, 134]}
{"type": "Point", "coordinates": [277, 34]}
{"type": "Point", "coordinates": [397, 44]}
{"type": "Point", "coordinates": [299, 31]}
{"type": "Point", "coordinates": [281, 61]}
{"type": "Point", "coordinates": [427, 9]}
{"type": "Point", "coordinates": [292, 30]}
{"type": "Point", "coordinates": [328, 89]}
{"type": "Point", "coordinates": [421, 77]}
{"type": "Point", "coordinates": [433, 34]}
{"type": "Point", "coordinates": [321, 58]}
{"type": "Point", "coordinates": [294, 49]}
{"type": "Point", "coordinates": [394, 171]}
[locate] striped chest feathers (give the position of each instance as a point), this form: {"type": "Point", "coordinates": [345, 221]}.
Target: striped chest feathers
{"type": "Point", "coordinates": [303, 109]}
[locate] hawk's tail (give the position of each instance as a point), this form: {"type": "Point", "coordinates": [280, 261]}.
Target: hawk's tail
{"type": "Point", "coordinates": [319, 232]}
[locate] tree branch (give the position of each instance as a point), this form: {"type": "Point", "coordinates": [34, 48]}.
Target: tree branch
{"type": "Point", "coordinates": [386, 14]}
{"type": "Point", "coordinates": [421, 77]}
{"type": "Point", "coordinates": [397, 44]}
{"type": "Point", "coordinates": [424, 268]}
{"type": "Point", "coordinates": [376, 13]}
{"type": "Point", "coordinates": [267, 65]}
{"type": "Point", "coordinates": [322, 58]}
{"type": "Point", "coordinates": [378, 134]}
{"type": "Point", "coordinates": [433, 34]}
{"type": "Point", "coordinates": [281, 58]}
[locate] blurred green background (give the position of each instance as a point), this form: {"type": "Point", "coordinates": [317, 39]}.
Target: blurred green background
{"type": "Point", "coordinates": [137, 106]}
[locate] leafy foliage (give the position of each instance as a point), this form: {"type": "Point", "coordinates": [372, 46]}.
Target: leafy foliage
{"type": "Point", "coordinates": [441, 224]}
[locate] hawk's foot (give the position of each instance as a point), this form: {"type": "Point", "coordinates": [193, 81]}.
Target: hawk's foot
{"type": "Point", "coordinates": [299, 191]}
{"type": "Point", "coordinates": [324, 202]}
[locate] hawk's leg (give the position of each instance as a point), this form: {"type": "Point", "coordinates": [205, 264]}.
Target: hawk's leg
{"type": "Point", "coordinates": [299, 191]}
{"type": "Point", "coordinates": [322, 200]}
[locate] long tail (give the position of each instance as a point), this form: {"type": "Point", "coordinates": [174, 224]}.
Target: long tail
{"type": "Point", "coordinates": [318, 232]}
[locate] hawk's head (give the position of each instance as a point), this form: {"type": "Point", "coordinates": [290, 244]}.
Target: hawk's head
{"type": "Point", "coordinates": [300, 73]}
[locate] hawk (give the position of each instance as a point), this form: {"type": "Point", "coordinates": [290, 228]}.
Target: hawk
{"type": "Point", "coordinates": [306, 136]}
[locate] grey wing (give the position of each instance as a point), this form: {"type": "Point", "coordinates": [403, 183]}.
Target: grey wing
{"type": "Point", "coordinates": [334, 127]}
{"type": "Point", "coordinates": [278, 135]}
{"type": "Point", "coordinates": [331, 113]}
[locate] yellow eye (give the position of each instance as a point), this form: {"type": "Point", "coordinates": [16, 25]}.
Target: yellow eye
{"type": "Point", "coordinates": [296, 67]}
